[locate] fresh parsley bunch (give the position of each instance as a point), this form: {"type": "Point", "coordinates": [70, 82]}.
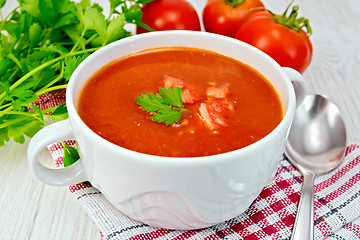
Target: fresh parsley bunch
{"type": "Point", "coordinates": [41, 44]}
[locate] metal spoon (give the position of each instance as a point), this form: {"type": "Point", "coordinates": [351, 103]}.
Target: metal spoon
{"type": "Point", "coordinates": [316, 145]}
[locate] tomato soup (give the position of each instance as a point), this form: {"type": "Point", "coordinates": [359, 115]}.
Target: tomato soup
{"type": "Point", "coordinates": [230, 105]}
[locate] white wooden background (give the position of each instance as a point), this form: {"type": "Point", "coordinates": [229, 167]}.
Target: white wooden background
{"type": "Point", "coordinates": [31, 210]}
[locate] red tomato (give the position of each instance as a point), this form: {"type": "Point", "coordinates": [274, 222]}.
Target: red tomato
{"type": "Point", "coordinates": [289, 47]}
{"type": "Point", "coordinates": [225, 16]}
{"type": "Point", "coordinates": [169, 15]}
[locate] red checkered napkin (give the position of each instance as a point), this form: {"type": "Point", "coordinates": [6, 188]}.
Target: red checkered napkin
{"type": "Point", "coordinates": [271, 216]}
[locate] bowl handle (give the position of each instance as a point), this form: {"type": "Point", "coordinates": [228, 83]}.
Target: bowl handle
{"type": "Point", "coordinates": [59, 177]}
{"type": "Point", "coordinates": [299, 83]}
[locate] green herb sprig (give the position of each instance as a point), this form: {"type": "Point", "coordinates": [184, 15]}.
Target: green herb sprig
{"type": "Point", "coordinates": [41, 44]}
{"type": "Point", "coordinates": [71, 154]}
{"type": "Point", "coordinates": [166, 107]}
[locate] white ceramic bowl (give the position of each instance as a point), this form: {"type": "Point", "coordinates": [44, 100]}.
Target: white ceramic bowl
{"type": "Point", "coordinates": [175, 193]}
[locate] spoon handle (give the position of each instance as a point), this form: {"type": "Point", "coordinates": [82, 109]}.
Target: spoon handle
{"type": "Point", "coordinates": [304, 222]}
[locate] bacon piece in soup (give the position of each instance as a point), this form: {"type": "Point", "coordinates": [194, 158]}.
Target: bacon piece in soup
{"type": "Point", "coordinates": [188, 95]}
{"type": "Point", "coordinates": [206, 118]}
{"type": "Point", "coordinates": [214, 113]}
{"type": "Point", "coordinates": [218, 91]}
{"type": "Point", "coordinates": [171, 81]}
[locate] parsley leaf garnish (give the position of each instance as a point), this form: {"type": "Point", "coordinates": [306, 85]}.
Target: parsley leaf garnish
{"type": "Point", "coordinates": [165, 107]}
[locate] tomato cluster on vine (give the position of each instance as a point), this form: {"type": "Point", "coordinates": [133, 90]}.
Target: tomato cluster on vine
{"type": "Point", "coordinates": [282, 37]}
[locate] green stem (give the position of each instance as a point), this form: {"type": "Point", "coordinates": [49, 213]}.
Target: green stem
{"type": "Point", "coordinates": [11, 13]}
{"type": "Point", "coordinates": [292, 21]}
{"type": "Point", "coordinates": [17, 45]}
{"type": "Point", "coordinates": [28, 114]}
{"type": "Point", "coordinates": [35, 70]}
{"type": "Point", "coordinates": [14, 59]}
{"type": "Point", "coordinates": [5, 106]}
{"type": "Point", "coordinates": [9, 108]}
{"type": "Point", "coordinates": [49, 49]}
{"type": "Point", "coordinates": [55, 80]}
{"type": "Point", "coordinates": [14, 73]}
{"type": "Point", "coordinates": [47, 110]}
{"type": "Point", "coordinates": [77, 42]}
{"type": "Point", "coordinates": [91, 38]}
{"type": "Point", "coordinates": [9, 123]}
{"type": "Point", "coordinates": [181, 109]}
{"type": "Point", "coordinates": [51, 89]}
{"type": "Point", "coordinates": [234, 3]}
{"type": "Point", "coordinates": [47, 34]}
{"type": "Point", "coordinates": [143, 25]}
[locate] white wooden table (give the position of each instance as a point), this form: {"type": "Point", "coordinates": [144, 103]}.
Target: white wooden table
{"type": "Point", "coordinates": [30, 209]}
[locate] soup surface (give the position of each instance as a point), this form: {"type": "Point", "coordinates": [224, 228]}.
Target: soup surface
{"type": "Point", "coordinates": [230, 104]}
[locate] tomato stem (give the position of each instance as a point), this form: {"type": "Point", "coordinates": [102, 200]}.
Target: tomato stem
{"type": "Point", "coordinates": [292, 17]}
{"type": "Point", "coordinates": [234, 3]}
{"type": "Point", "coordinates": [292, 21]}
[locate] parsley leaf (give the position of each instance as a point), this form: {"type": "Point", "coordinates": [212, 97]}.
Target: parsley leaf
{"type": "Point", "coordinates": [35, 34]}
{"type": "Point", "coordinates": [166, 107]}
{"type": "Point", "coordinates": [2, 3]}
{"type": "Point", "coordinates": [167, 116]}
{"type": "Point", "coordinates": [115, 28]}
{"type": "Point", "coordinates": [71, 64]}
{"type": "Point", "coordinates": [71, 155]}
{"type": "Point", "coordinates": [4, 136]}
{"type": "Point", "coordinates": [172, 96]}
{"type": "Point", "coordinates": [60, 113]}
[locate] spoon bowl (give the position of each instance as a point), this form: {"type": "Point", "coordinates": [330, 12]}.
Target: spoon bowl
{"type": "Point", "coordinates": [316, 145]}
